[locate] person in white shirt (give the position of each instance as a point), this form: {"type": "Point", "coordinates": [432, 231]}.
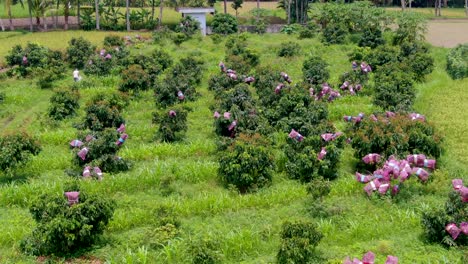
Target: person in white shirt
{"type": "Point", "coordinates": [76, 75]}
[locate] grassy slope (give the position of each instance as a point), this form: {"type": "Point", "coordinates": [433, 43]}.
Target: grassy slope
{"type": "Point", "coordinates": [246, 226]}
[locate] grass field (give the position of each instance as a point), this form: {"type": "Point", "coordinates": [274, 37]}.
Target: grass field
{"type": "Point", "coordinates": [245, 226]}
{"type": "Point", "coordinates": [429, 12]}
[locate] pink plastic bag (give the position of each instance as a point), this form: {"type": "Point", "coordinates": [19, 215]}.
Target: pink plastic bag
{"type": "Point", "coordinates": [232, 125]}
{"type": "Point", "coordinates": [373, 118]}
{"type": "Point", "coordinates": [371, 158]}
{"type": "Point", "coordinates": [327, 136]}
{"type": "Point", "coordinates": [363, 178]}
{"type": "Point", "coordinates": [232, 76]}
{"type": "Point", "coordinates": [368, 258]}
{"type": "Point", "coordinates": [285, 77]}
{"type": "Point", "coordinates": [464, 228]}
{"type": "Point", "coordinates": [344, 85]}
{"type": "Point", "coordinates": [172, 113]}
{"type": "Point", "coordinates": [295, 135]}
{"type": "Point", "coordinates": [395, 190]}
{"type": "Point", "coordinates": [227, 115]}
{"type": "Point", "coordinates": [383, 188]}
{"type": "Point", "coordinates": [333, 96]}
{"type": "Point", "coordinates": [180, 95]}
{"type": "Point", "coordinates": [73, 197]}
{"type": "Point", "coordinates": [87, 172]}
{"type": "Point", "coordinates": [457, 184]}
{"type": "Point", "coordinates": [311, 92]}
{"type": "Point", "coordinates": [429, 163]}
{"type": "Point", "coordinates": [391, 260]}
{"type": "Point", "coordinates": [453, 230]}
{"type": "Point", "coordinates": [322, 154]}
{"type": "Point", "coordinates": [221, 66]}
{"type": "Point", "coordinates": [230, 71]}
{"type": "Point", "coordinates": [249, 80]}
{"type": "Point", "coordinates": [89, 138]}
{"type": "Point", "coordinates": [278, 88]}
{"type": "Point", "coordinates": [347, 118]}
{"type": "Point", "coordinates": [216, 115]}
{"type": "Point", "coordinates": [416, 116]}
{"type": "Point", "coordinates": [464, 194]}
{"type": "Point", "coordinates": [416, 159]}
{"type": "Point", "coordinates": [82, 153]}
{"type": "Point", "coordinates": [421, 173]}
{"type": "Point", "coordinates": [372, 186]}
{"type": "Point", "coordinates": [121, 140]}
{"type": "Point", "coordinates": [76, 143]}
{"type": "Point", "coordinates": [358, 87]}
{"type": "Point", "coordinates": [98, 172]}
{"type": "Point", "coordinates": [121, 128]}
{"type": "Point", "coordinates": [389, 114]}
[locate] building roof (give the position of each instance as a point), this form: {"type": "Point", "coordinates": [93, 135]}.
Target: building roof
{"type": "Point", "coordinates": [192, 10]}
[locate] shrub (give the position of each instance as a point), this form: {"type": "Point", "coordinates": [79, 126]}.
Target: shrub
{"type": "Point", "coordinates": [381, 56]}
{"type": "Point", "coordinates": [394, 90]}
{"type": "Point", "coordinates": [371, 37]}
{"type": "Point", "coordinates": [298, 242]}
{"type": "Point", "coordinates": [134, 79]}
{"type": "Point", "coordinates": [291, 28]}
{"type": "Point", "coordinates": [334, 34]}
{"type": "Point", "coordinates": [100, 65]}
{"type": "Point", "coordinates": [315, 70]}
{"type": "Point", "coordinates": [306, 33]}
{"type": "Point", "coordinates": [172, 123]}
{"type": "Point", "coordinates": [113, 41]}
{"type": "Point", "coordinates": [238, 56]}
{"type": "Point", "coordinates": [224, 24]}
{"type": "Point", "coordinates": [246, 166]}
{"type": "Point", "coordinates": [2, 97]}
{"type": "Point", "coordinates": [79, 51]}
{"type": "Point", "coordinates": [435, 220]}
{"type": "Point", "coordinates": [16, 150]}
{"type": "Point", "coordinates": [220, 83]}
{"type": "Point", "coordinates": [411, 27]}
{"type": "Point", "coordinates": [289, 49]}
{"type": "Point", "coordinates": [400, 137]}
{"type": "Point", "coordinates": [103, 111]}
{"type": "Point", "coordinates": [63, 229]}
{"type": "Point", "coordinates": [457, 62]}
{"type": "Point", "coordinates": [63, 104]}
{"type": "Point", "coordinates": [205, 251]}
{"type": "Point", "coordinates": [302, 157]}
{"type": "Point", "coordinates": [188, 26]}
{"type": "Point", "coordinates": [32, 56]}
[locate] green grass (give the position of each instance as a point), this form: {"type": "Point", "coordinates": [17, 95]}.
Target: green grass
{"type": "Point", "coordinates": [429, 12]}
{"type": "Point", "coordinates": [246, 226]}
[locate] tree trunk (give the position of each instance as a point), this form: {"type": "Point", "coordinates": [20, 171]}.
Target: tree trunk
{"type": "Point", "coordinates": [55, 19]}
{"type": "Point", "coordinates": [152, 8]}
{"type": "Point", "coordinates": [96, 3]}
{"type": "Point", "coordinates": [403, 5]}
{"type": "Point", "coordinates": [410, 2]}
{"type": "Point", "coordinates": [44, 19]}
{"type": "Point", "coordinates": [11, 19]}
{"type": "Point", "coordinates": [160, 13]}
{"type": "Point", "coordinates": [466, 7]}
{"type": "Point", "coordinates": [66, 13]}
{"type": "Point", "coordinates": [289, 12]}
{"type": "Point", "coordinates": [78, 8]}
{"type": "Point", "coordinates": [1, 25]}
{"type": "Point", "coordinates": [225, 8]}
{"type": "Point", "coordinates": [127, 6]}
{"type": "Point", "coordinates": [258, 3]}
{"type": "Point", "coordinates": [30, 16]}
{"type": "Point", "coordinates": [297, 11]}
{"type": "Point", "coordinates": [38, 22]}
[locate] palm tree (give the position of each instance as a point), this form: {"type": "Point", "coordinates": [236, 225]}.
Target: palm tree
{"type": "Point", "coordinates": [96, 3]}
{"type": "Point", "coordinates": [160, 12]}
{"type": "Point", "coordinates": [66, 13]}
{"type": "Point", "coordinates": [127, 6]}
{"type": "Point", "coordinates": [1, 25]}
{"type": "Point", "coordinates": [225, 3]}
{"type": "Point", "coordinates": [30, 16]}
{"type": "Point", "coordinates": [78, 7]}
{"type": "Point", "coordinates": [8, 4]}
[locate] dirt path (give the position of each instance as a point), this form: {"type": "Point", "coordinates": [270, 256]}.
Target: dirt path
{"type": "Point", "coordinates": [448, 32]}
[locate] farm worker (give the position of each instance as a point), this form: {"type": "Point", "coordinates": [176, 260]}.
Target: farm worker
{"type": "Point", "coordinates": [76, 75]}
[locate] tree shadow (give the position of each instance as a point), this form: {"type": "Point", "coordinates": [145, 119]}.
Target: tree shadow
{"type": "Point", "coordinates": [14, 177]}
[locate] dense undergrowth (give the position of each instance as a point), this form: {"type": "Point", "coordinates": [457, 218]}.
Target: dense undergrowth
{"type": "Point", "coordinates": [182, 176]}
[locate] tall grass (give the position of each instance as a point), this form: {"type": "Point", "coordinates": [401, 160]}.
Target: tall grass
{"type": "Point", "coordinates": [183, 175]}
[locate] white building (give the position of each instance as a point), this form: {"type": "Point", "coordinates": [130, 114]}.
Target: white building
{"type": "Point", "coordinates": [198, 13]}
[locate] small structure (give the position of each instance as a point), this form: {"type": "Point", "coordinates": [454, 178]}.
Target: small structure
{"type": "Point", "coordinates": [198, 13]}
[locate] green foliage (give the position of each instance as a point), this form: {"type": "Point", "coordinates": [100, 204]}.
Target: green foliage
{"type": "Point", "coordinates": [154, 64]}
{"type": "Point", "coordinates": [113, 41]}
{"type": "Point", "coordinates": [79, 51]}
{"type": "Point", "coordinates": [30, 58]}
{"type": "Point", "coordinates": [246, 166]}
{"type": "Point", "coordinates": [103, 111]}
{"type": "Point", "coordinates": [205, 251]}
{"type": "Point", "coordinates": [371, 37]}
{"type": "Point", "coordinates": [16, 150]}
{"type": "Point", "coordinates": [298, 242]}
{"type": "Point", "coordinates": [400, 137]}
{"type": "Point", "coordinates": [334, 34]}
{"type": "Point", "coordinates": [134, 80]}
{"type": "Point", "coordinates": [315, 70]}
{"type": "Point", "coordinates": [289, 49]}
{"type": "Point", "coordinates": [259, 19]}
{"type": "Point", "coordinates": [63, 103]}
{"type": "Point", "coordinates": [183, 77]}
{"type": "Point", "coordinates": [224, 24]}
{"type": "Point", "coordinates": [434, 221]}
{"type": "Point", "coordinates": [394, 89]}
{"type": "Point", "coordinates": [99, 65]}
{"type": "Point", "coordinates": [238, 56]}
{"type": "Point", "coordinates": [188, 26]}
{"type": "Point", "coordinates": [291, 29]}
{"type": "Point", "coordinates": [172, 123]}
{"type": "Point", "coordinates": [412, 26]}
{"type": "Point", "coordinates": [2, 97]}
{"type": "Point", "coordinates": [457, 62]}
{"type": "Point", "coordinates": [63, 229]}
